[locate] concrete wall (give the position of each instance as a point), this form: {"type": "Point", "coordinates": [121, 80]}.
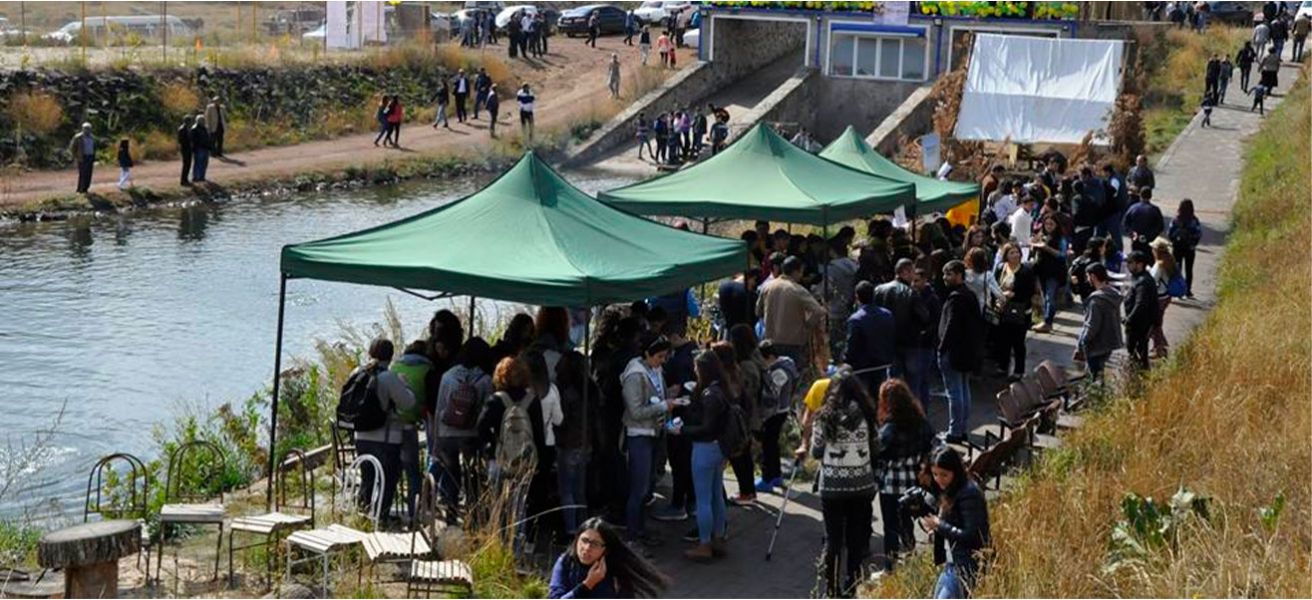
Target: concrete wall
{"type": "Point", "coordinates": [913, 118]}
{"type": "Point", "coordinates": [861, 103]}
{"type": "Point", "coordinates": [741, 46]}
{"type": "Point", "coordinates": [792, 102]}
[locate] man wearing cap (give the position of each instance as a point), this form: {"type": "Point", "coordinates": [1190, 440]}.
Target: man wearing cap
{"type": "Point", "coordinates": [1141, 309]}
{"type": "Point", "coordinates": [83, 149]}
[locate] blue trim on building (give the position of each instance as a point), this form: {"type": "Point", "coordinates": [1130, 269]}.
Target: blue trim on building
{"type": "Point", "coordinates": [916, 31]}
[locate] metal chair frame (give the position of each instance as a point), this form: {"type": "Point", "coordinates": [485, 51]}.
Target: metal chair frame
{"type": "Point", "coordinates": [427, 516]}
{"type": "Point", "coordinates": [351, 480]}
{"type": "Point", "coordinates": [171, 491]}
{"type": "Point", "coordinates": [277, 522]}
{"type": "Point", "coordinates": [138, 496]}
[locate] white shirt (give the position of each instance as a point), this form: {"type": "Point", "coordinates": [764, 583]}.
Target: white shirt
{"type": "Point", "coordinates": [1021, 225]}
{"type": "Point", "coordinates": [552, 414]}
{"type": "Point", "coordinates": [525, 100]}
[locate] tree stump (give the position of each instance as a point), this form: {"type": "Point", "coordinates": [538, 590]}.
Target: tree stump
{"type": "Point", "coordinates": [89, 555]}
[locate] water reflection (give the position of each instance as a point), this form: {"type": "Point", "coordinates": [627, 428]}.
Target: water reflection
{"type": "Point", "coordinates": [192, 223]}
{"type": "Point", "coordinates": [79, 237]}
{"type": "Point", "coordinates": [122, 230]}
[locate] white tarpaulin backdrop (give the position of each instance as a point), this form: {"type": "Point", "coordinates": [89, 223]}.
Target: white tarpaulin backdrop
{"type": "Point", "coordinates": [1031, 89]}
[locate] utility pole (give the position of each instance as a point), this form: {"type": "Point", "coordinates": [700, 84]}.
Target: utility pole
{"type": "Point", "coordinates": [164, 31]}
{"type": "Point", "coordinates": [82, 33]}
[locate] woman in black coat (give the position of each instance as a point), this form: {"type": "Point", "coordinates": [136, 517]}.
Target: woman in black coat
{"type": "Point", "coordinates": [961, 526]}
{"type": "Point", "coordinates": [1019, 285]}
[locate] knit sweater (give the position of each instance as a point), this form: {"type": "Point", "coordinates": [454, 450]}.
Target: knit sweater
{"type": "Point", "coordinates": [845, 453]}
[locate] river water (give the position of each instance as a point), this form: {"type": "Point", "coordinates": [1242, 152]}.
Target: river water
{"type": "Point", "coordinates": [126, 321]}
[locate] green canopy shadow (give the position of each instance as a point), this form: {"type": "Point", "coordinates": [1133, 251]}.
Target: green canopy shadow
{"type": "Point", "coordinates": [932, 195]}
{"type": "Point", "coordinates": [763, 176]}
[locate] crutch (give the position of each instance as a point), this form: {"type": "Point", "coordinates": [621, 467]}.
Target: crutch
{"type": "Point", "coordinates": [779, 519]}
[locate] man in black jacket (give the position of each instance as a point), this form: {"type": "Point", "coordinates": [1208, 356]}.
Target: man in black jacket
{"type": "Point", "coordinates": [1144, 222]}
{"type": "Point", "coordinates": [1141, 311]}
{"type": "Point", "coordinates": [184, 147]}
{"type": "Point", "coordinates": [960, 330]}
{"type": "Point", "coordinates": [909, 318]}
{"type": "Point", "coordinates": [482, 84]}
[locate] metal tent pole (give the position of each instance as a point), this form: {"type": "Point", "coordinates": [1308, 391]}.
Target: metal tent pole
{"type": "Point", "coordinates": [277, 381]}
{"type": "Point", "coordinates": [472, 299]}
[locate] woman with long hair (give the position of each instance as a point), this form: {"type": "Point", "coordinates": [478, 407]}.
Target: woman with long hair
{"type": "Point", "coordinates": [707, 421]}
{"type": "Point", "coordinates": [844, 439]}
{"type": "Point", "coordinates": [1019, 286]}
{"type": "Point", "coordinates": [1050, 267]}
{"type": "Point", "coordinates": [976, 237]}
{"type": "Point", "coordinates": [599, 565]}
{"type": "Point", "coordinates": [979, 280]}
{"type": "Point", "coordinates": [736, 390]}
{"type": "Point", "coordinates": [445, 335]}
{"type": "Point", "coordinates": [960, 524]}
{"type": "Point", "coordinates": [1163, 270]}
{"type": "Point", "coordinates": [1185, 233]}
{"type": "Point", "coordinates": [646, 406]}
{"type": "Point", "coordinates": [905, 440]}
{"type": "Point", "coordinates": [519, 333]}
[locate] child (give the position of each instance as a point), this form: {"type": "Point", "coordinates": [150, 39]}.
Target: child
{"type": "Point", "coordinates": [1259, 99]}
{"type": "Point", "coordinates": [124, 165]}
{"type": "Point", "coordinates": [1209, 102]}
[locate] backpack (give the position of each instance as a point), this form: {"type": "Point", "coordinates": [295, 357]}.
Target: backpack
{"type": "Point", "coordinates": [358, 408]}
{"type": "Point", "coordinates": [737, 435]}
{"type": "Point", "coordinates": [778, 384]}
{"type": "Point", "coordinates": [461, 409]}
{"type": "Point", "coordinates": [516, 450]}
{"type": "Point", "coordinates": [1176, 287]}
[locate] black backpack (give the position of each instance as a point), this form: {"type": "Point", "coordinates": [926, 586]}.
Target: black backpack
{"type": "Point", "coordinates": [737, 435]}
{"type": "Point", "coordinates": [358, 408]}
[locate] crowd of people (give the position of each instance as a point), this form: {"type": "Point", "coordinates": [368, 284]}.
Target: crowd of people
{"type": "Point", "coordinates": [681, 135]}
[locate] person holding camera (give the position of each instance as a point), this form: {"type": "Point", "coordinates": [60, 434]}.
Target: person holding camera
{"type": "Point", "coordinates": [959, 523]}
{"type": "Point", "coordinates": [905, 440]}
{"type": "Point", "coordinates": [844, 440]}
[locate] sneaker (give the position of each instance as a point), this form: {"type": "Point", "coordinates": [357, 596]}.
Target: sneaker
{"type": "Point", "coordinates": [743, 499]}
{"type": "Point", "coordinates": [764, 486]}
{"type": "Point", "coordinates": [670, 514]}
{"type": "Point", "coordinates": [693, 535]}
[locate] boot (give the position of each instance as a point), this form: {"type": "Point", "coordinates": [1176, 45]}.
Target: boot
{"type": "Point", "coordinates": [719, 547]}
{"type": "Point", "coordinates": [702, 553]}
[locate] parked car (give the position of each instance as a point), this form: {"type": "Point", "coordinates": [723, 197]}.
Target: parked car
{"type": "Point", "coordinates": [610, 19]}
{"type": "Point", "coordinates": [147, 26]}
{"type": "Point", "coordinates": [693, 39]}
{"type": "Point", "coordinates": [655, 11]}
{"type": "Point", "coordinates": [1304, 9]}
{"type": "Point", "coordinates": [1234, 13]}
{"type": "Point", "coordinates": [317, 34]}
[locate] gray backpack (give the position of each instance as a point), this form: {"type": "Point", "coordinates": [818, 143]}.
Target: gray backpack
{"type": "Point", "coordinates": [516, 451]}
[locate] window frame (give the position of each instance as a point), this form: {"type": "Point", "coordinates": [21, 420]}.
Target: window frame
{"type": "Point", "coordinates": [878, 37]}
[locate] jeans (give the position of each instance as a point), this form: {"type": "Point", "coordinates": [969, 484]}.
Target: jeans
{"type": "Point", "coordinates": [200, 164]}
{"type": "Point", "coordinates": [389, 456]}
{"type": "Point", "coordinates": [413, 469]}
{"type": "Point", "coordinates": [957, 385]}
{"type": "Point", "coordinates": [769, 436]}
{"type": "Point", "coordinates": [910, 365]}
{"type": "Point", "coordinates": [382, 131]}
{"type": "Point", "coordinates": [441, 116]}
{"type": "Point", "coordinates": [640, 459]}
{"type": "Point", "coordinates": [446, 468]}
{"type": "Point", "coordinates": [1096, 364]}
{"type": "Point", "coordinates": [949, 584]}
{"type": "Point", "coordinates": [1299, 40]}
{"type": "Point", "coordinates": [571, 477]}
{"type": "Point", "coordinates": [847, 528]}
{"type": "Point", "coordinates": [1050, 289]}
{"type": "Point", "coordinates": [1279, 45]}
{"type": "Point", "coordinates": [708, 481]}
{"type": "Point", "coordinates": [1184, 258]}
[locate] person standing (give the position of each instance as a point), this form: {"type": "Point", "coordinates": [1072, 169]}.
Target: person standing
{"type": "Point", "coordinates": [664, 47]}
{"type": "Point", "coordinates": [216, 118]}
{"type": "Point", "coordinates": [1185, 232]}
{"type": "Point", "coordinates": [380, 116]}
{"type": "Point", "coordinates": [1141, 309]}
{"type": "Point", "coordinates": [1100, 335]}
{"type": "Point", "coordinates": [594, 29]}
{"type": "Point", "coordinates": [736, 299]}
{"type": "Point", "coordinates": [698, 132]}
{"type": "Point", "coordinates": [910, 318]}
{"type": "Point", "coordinates": [124, 164]}
{"type": "Point", "coordinates": [960, 344]}
{"type": "Point", "coordinates": [613, 76]}
{"type": "Point", "coordinates": [790, 313]}
{"type": "Point", "coordinates": [1261, 35]}
{"type": "Point", "coordinates": [1212, 75]}
{"type": "Point", "coordinates": [870, 336]}
{"type": "Point", "coordinates": [1245, 59]}
{"type": "Point", "coordinates": [200, 148]}
{"type": "Point", "coordinates": [705, 425]}
{"type": "Point", "coordinates": [1144, 222]}
{"type": "Point", "coordinates": [960, 525]}
{"type": "Point", "coordinates": [384, 442]}
{"type": "Point", "coordinates": [905, 441]}
{"type": "Point", "coordinates": [526, 100]}
{"type": "Point", "coordinates": [643, 132]}
{"type": "Point", "coordinates": [1269, 69]}
{"type": "Point", "coordinates": [83, 149]}
{"type": "Point", "coordinates": [482, 83]}
{"type": "Point", "coordinates": [452, 423]}
{"type": "Point", "coordinates": [443, 98]}
{"type": "Point", "coordinates": [493, 105]}
{"type": "Point", "coordinates": [395, 116]}
{"type": "Point", "coordinates": [598, 565]}
{"type": "Point", "coordinates": [645, 407]}
{"type": "Point", "coordinates": [1141, 175]}
{"type": "Point", "coordinates": [1049, 248]}
{"type": "Point", "coordinates": [1302, 25]}
{"type": "Point", "coordinates": [644, 44]}
{"type": "Point", "coordinates": [184, 148]}
{"type": "Point", "coordinates": [844, 439]}
{"type": "Point", "coordinates": [1019, 287]}
{"type": "Point", "coordinates": [630, 27]}
{"type": "Point", "coordinates": [460, 87]}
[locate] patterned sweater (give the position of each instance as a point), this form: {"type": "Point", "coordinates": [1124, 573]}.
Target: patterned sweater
{"type": "Point", "coordinates": [847, 456]}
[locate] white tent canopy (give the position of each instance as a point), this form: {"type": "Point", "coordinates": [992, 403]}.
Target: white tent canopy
{"type": "Point", "coordinates": [1032, 90]}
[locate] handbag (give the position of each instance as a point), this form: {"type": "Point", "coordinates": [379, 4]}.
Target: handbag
{"type": "Point", "coordinates": [1014, 313]}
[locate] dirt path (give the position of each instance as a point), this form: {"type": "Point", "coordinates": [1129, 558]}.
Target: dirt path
{"type": "Point", "coordinates": [569, 83]}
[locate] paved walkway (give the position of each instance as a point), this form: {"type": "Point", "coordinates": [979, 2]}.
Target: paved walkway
{"type": "Point", "coordinates": [1203, 164]}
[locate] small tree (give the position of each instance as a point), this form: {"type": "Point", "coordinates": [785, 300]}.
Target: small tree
{"type": "Point", "coordinates": [37, 112]}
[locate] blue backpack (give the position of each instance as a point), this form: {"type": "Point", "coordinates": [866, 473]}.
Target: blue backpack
{"type": "Point", "coordinates": [1176, 287]}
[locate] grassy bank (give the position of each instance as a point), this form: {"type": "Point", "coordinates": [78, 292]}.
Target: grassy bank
{"type": "Point", "coordinates": [1228, 418]}
{"type": "Point", "coordinates": [1172, 77]}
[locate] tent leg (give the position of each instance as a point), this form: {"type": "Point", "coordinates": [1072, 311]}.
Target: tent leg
{"type": "Point", "coordinates": [472, 299]}
{"type": "Point", "coordinates": [706, 227]}
{"type": "Point", "coordinates": [587, 354]}
{"type": "Point", "coordinates": [277, 382]}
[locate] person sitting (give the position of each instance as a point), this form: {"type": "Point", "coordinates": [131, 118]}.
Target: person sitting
{"type": "Point", "coordinates": [599, 565]}
{"type": "Point", "coordinates": [960, 523]}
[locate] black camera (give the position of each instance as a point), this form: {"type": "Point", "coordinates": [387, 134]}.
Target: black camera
{"type": "Point", "coordinates": [917, 502]}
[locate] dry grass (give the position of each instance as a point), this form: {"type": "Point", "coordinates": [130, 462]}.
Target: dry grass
{"type": "Point", "coordinates": [1229, 419]}
{"type": "Point", "coordinates": [1171, 77]}
{"type": "Point", "coordinates": [179, 100]}
{"type": "Point", "coordinates": [37, 113]}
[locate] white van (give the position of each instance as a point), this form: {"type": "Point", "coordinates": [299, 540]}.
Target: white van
{"type": "Point", "coordinates": [148, 26]}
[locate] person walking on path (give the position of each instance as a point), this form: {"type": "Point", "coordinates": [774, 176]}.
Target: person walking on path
{"type": "Point", "coordinates": [493, 105]}
{"type": "Point", "coordinates": [380, 116]}
{"type": "Point", "coordinates": [1144, 222]}
{"type": "Point", "coordinates": [184, 148]}
{"type": "Point", "coordinates": [594, 29]}
{"type": "Point", "coordinates": [482, 83]}
{"type": "Point", "coordinates": [664, 47]}
{"type": "Point", "coordinates": [960, 344]}
{"type": "Point", "coordinates": [460, 87]}
{"type": "Point", "coordinates": [1270, 71]}
{"type": "Point", "coordinates": [630, 27]}
{"type": "Point", "coordinates": [1141, 309]}
{"type": "Point", "coordinates": [83, 149]}
{"type": "Point", "coordinates": [1212, 75]}
{"type": "Point", "coordinates": [216, 118]}
{"type": "Point", "coordinates": [395, 116]}
{"type": "Point", "coordinates": [845, 440]}
{"type": "Point", "coordinates": [1227, 68]}
{"type": "Point", "coordinates": [526, 100]}
{"type": "Point", "coordinates": [1302, 25]}
{"type": "Point", "coordinates": [644, 45]}
{"type": "Point", "coordinates": [1100, 334]}
{"type": "Point", "coordinates": [644, 136]}
{"type": "Point", "coordinates": [1261, 35]}
{"type": "Point", "coordinates": [1279, 35]}
{"type": "Point", "coordinates": [1185, 232]}
{"type": "Point", "coordinates": [613, 76]}
{"type": "Point", "coordinates": [790, 313]}
{"type": "Point", "coordinates": [200, 148]}
{"type": "Point", "coordinates": [1141, 175]}
{"type": "Point", "coordinates": [124, 164]}
{"type": "Point", "coordinates": [1245, 59]}
{"type": "Point", "coordinates": [443, 98]}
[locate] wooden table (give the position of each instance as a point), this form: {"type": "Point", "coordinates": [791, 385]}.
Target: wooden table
{"type": "Point", "coordinates": [89, 555]}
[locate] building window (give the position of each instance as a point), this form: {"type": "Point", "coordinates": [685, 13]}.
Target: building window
{"type": "Point", "coordinates": [877, 57]}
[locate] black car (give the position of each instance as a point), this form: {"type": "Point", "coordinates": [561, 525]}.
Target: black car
{"type": "Point", "coordinates": [574, 21]}
{"type": "Point", "coordinates": [1234, 13]}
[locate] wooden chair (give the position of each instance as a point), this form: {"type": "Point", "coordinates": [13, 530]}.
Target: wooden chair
{"type": "Point", "coordinates": [322, 543]}
{"type": "Point", "coordinates": [428, 573]}
{"type": "Point", "coordinates": [299, 513]}
{"type": "Point", "coordinates": [188, 508]}
{"type": "Point", "coordinates": [1058, 383]}
{"type": "Point", "coordinates": [137, 484]}
{"type": "Point", "coordinates": [993, 461]}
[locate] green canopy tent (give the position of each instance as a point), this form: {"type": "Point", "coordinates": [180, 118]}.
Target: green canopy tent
{"type": "Point", "coordinates": [932, 195]}
{"type": "Point", "coordinates": [763, 176]}
{"type": "Point", "coordinates": [529, 236]}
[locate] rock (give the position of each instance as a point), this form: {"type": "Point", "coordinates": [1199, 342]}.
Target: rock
{"type": "Point", "coordinates": [294, 590]}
